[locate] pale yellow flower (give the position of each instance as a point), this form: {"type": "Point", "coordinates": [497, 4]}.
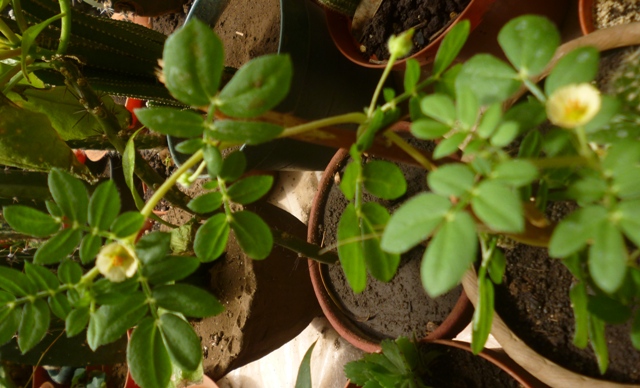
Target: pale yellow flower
{"type": "Point", "coordinates": [573, 105]}
{"type": "Point", "coordinates": [116, 262]}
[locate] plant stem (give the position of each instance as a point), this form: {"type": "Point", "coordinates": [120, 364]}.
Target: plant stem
{"type": "Point", "coordinates": [381, 82]}
{"type": "Point", "coordinates": [6, 54]}
{"type": "Point", "coordinates": [348, 118]}
{"type": "Point", "coordinates": [19, 15]}
{"type": "Point", "coordinates": [9, 34]}
{"type": "Point", "coordinates": [410, 150]}
{"type": "Point", "coordinates": [535, 90]}
{"type": "Point", "coordinates": [103, 143]}
{"type": "Point", "coordinates": [302, 247]}
{"type": "Point", "coordinates": [406, 95]}
{"type": "Point", "coordinates": [65, 28]}
{"type": "Point", "coordinates": [170, 182]}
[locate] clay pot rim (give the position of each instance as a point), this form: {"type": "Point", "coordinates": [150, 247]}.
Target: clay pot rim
{"type": "Point", "coordinates": [585, 15]}
{"type": "Point", "coordinates": [457, 320]}
{"type": "Point", "coordinates": [339, 24]}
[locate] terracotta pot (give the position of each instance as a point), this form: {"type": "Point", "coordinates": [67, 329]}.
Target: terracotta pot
{"type": "Point", "coordinates": [495, 356]}
{"type": "Point", "coordinates": [457, 320]}
{"type": "Point", "coordinates": [585, 15]}
{"type": "Point", "coordinates": [486, 17]}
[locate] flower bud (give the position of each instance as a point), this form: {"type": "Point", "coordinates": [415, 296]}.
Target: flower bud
{"type": "Point", "coordinates": [116, 262]}
{"type": "Point", "coordinates": [573, 105]}
{"type": "Point", "coordinates": [401, 45]}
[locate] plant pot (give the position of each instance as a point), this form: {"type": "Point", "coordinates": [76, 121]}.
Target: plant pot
{"type": "Point", "coordinates": [367, 336]}
{"type": "Point", "coordinates": [486, 17]}
{"type": "Point", "coordinates": [496, 357]}
{"type": "Point", "coordinates": [148, 7]}
{"type": "Point", "coordinates": [324, 84]}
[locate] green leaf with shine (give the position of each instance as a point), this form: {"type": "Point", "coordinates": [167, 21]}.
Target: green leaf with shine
{"type": "Point", "coordinates": [451, 179]}
{"type": "Point", "coordinates": [505, 134]}
{"type": "Point", "coordinates": [128, 168]}
{"type": "Point", "coordinates": [206, 203]}
{"type": "Point", "coordinates": [599, 342]}
{"type": "Point", "coordinates": [490, 79]}
{"type": "Point", "coordinates": [211, 238]}
{"type": "Point", "coordinates": [498, 206]}
{"type": "Point", "coordinates": [257, 87]}
{"type": "Point", "coordinates": [59, 305]}
{"type": "Point", "coordinates": [573, 232]}
{"type": "Point", "coordinates": [250, 189]}
{"type": "Point", "coordinates": [439, 107]}
{"type": "Point", "coordinates": [529, 42]}
{"type": "Point", "coordinates": [193, 60]}
{"type": "Point", "coordinates": [450, 254]}
{"type": "Point", "coordinates": [172, 121]}
{"type": "Point", "coordinates": [467, 108]}
{"type": "Point", "coordinates": [349, 180]}
{"type": "Point", "coordinates": [249, 132]}
{"type": "Point", "coordinates": [104, 205]}
{"type": "Point", "coordinates": [381, 264]}
{"type": "Point", "coordinates": [384, 179]}
{"type": "Point", "coordinates": [70, 195]}
{"type": "Point", "coordinates": [411, 75]}
{"type": "Point", "coordinates": [253, 234]}
{"type": "Point", "coordinates": [9, 323]}
{"type": "Point", "coordinates": [490, 120]}
{"type": "Point", "coordinates": [428, 129]}
{"type": "Point", "coordinates": [15, 282]}
{"type": "Point", "coordinates": [607, 257]}
{"type": "Point", "coordinates": [414, 222]}
{"type": "Point", "coordinates": [576, 67]}
{"type": "Point", "coordinates": [153, 247]}
{"type": "Point", "coordinates": [213, 158]}
{"type": "Point", "coordinates": [24, 219]}
{"type": "Point", "coordinates": [351, 251]}
{"type": "Point", "coordinates": [629, 212]}
{"type": "Point", "coordinates": [187, 299]}
{"type": "Point", "coordinates": [41, 277]}
{"type": "Point", "coordinates": [111, 322]}
{"type": "Point", "coordinates": [578, 296]}
{"type": "Point", "coordinates": [76, 321]}
{"type": "Point", "coordinates": [483, 315]}
{"type": "Point", "coordinates": [127, 224]}
{"type": "Point", "coordinates": [451, 46]}
{"type": "Point", "coordinates": [33, 324]}
{"type": "Point", "coordinates": [303, 379]}
{"type": "Point", "coordinates": [58, 247]}
{"type": "Point", "coordinates": [515, 172]}
{"type": "Point", "coordinates": [449, 146]}
{"type": "Point", "coordinates": [171, 268]}
{"type": "Point", "coordinates": [89, 248]}
{"type": "Point", "coordinates": [69, 272]}
{"type": "Point", "coordinates": [181, 342]}
{"type": "Point", "coordinates": [147, 357]}
{"type": "Point", "coordinates": [233, 166]}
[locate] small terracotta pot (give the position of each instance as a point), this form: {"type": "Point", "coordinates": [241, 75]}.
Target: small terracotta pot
{"type": "Point", "coordinates": [457, 320]}
{"type": "Point", "coordinates": [585, 15]}
{"type": "Point", "coordinates": [497, 357]}
{"type": "Point", "coordinates": [486, 17]}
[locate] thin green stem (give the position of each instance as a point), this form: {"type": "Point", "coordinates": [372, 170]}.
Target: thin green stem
{"type": "Point", "coordinates": [152, 303]}
{"type": "Point", "coordinates": [585, 151]}
{"type": "Point", "coordinates": [406, 95]}
{"type": "Point", "coordinates": [348, 118]}
{"type": "Point", "coordinates": [383, 79]}
{"type": "Point", "coordinates": [8, 33]}
{"type": "Point", "coordinates": [410, 150]}
{"type": "Point", "coordinates": [8, 75]}
{"type": "Point", "coordinates": [89, 276]}
{"type": "Point", "coordinates": [13, 82]}
{"type": "Point", "coordinates": [170, 182]}
{"type": "Point", "coordinates": [535, 90]}
{"type": "Point", "coordinates": [222, 186]}
{"type": "Point", "coordinates": [65, 28]}
{"type": "Point", "coordinates": [19, 15]}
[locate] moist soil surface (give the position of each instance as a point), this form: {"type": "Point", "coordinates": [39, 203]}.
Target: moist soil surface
{"type": "Point", "coordinates": [428, 17]}
{"type": "Point", "coordinates": [534, 302]}
{"type": "Point", "coordinates": [400, 307]}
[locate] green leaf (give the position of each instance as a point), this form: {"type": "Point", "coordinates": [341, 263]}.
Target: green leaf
{"type": "Point", "coordinates": [213, 158]}
{"type": "Point", "coordinates": [41, 277]}
{"type": "Point", "coordinates": [128, 168]}
{"type": "Point", "coordinates": [303, 380]}
{"type": "Point", "coordinates": [188, 300]}
{"type": "Point", "coordinates": [29, 37]}
{"type": "Point", "coordinates": [172, 121]}
{"type": "Point", "coordinates": [70, 195]}
{"type": "Point", "coordinates": [388, 94]}
{"type": "Point", "coordinates": [351, 251]}
{"type": "Point", "coordinates": [250, 189]}
{"type": "Point", "coordinates": [451, 46]}
{"type": "Point", "coordinates": [467, 108]}
{"type": "Point", "coordinates": [450, 254]}
{"type": "Point", "coordinates": [206, 203]}
{"type": "Point", "coordinates": [497, 266]}
{"type": "Point", "coordinates": [171, 268]}
{"type": "Point", "coordinates": [211, 238]}
{"type": "Point", "coordinates": [89, 247]}
{"type": "Point", "coordinates": [483, 315]}
{"type": "Point", "coordinates": [60, 306]}
{"type": "Point", "coordinates": [190, 146]}
{"type": "Point", "coordinates": [505, 134]}
{"type": "Point", "coordinates": [608, 309]}
{"type": "Point", "coordinates": [449, 146]}
{"type": "Point", "coordinates": [249, 132]}
{"type": "Point", "coordinates": [69, 272]}
{"type": "Point", "coordinates": [9, 323]}
{"type": "Point", "coordinates": [127, 224]}
{"type": "Point", "coordinates": [76, 321]}
{"type": "Point", "coordinates": [384, 179]}
{"type": "Point", "coordinates": [181, 341]}
{"type": "Point", "coordinates": [382, 265]}
{"type": "Point", "coordinates": [588, 189]}
{"type": "Point", "coordinates": [33, 324]}
{"type": "Point", "coordinates": [498, 206]}
{"type": "Point", "coordinates": [147, 357]}
{"type": "Point", "coordinates": [257, 87]}
{"type": "Point", "coordinates": [627, 182]}
{"type": "Point", "coordinates": [253, 234]}
{"type": "Point", "coordinates": [629, 214]}
{"type": "Point", "coordinates": [411, 75]}
{"type": "Point", "coordinates": [607, 257]}
{"type": "Point", "coordinates": [529, 42]}
{"type": "Point", "coordinates": [414, 222]}
{"type": "Point", "coordinates": [609, 107]}
{"type": "Point", "coordinates": [531, 145]}
{"type": "Point", "coordinates": [349, 180]}
{"type": "Point", "coordinates": [599, 343]}
{"type": "Point", "coordinates": [111, 322]}
{"type": "Point", "coordinates": [428, 129]}
{"type": "Point", "coordinates": [451, 179]}
{"type": "Point", "coordinates": [490, 120]}
{"type": "Point", "coordinates": [573, 232]}
{"type": "Point", "coordinates": [635, 331]}
{"type": "Point", "coordinates": [490, 79]}
{"type": "Point", "coordinates": [24, 219]}
{"type": "Point", "coordinates": [15, 282]}
{"type": "Point", "coordinates": [440, 107]}
{"type": "Point", "coordinates": [578, 296]}
{"type": "Point", "coordinates": [233, 166]}
{"type": "Point", "coordinates": [104, 205]}
{"type": "Point", "coordinates": [193, 60]}
{"type": "Point", "coordinates": [516, 173]}
{"type": "Point", "coordinates": [576, 67]}
{"type": "Point", "coordinates": [58, 247]}
{"type": "Point", "coordinates": [153, 247]}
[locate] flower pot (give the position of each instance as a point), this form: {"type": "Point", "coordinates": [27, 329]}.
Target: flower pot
{"type": "Point", "coordinates": [486, 17]}
{"type": "Point", "coordinates": [367, 336]}
{"type": "Point", "coordinates": [496, 357]}
{"type": "Point", "coordinates": [148, 7]}
{"type": "Point", "coordinates": [585, 15]}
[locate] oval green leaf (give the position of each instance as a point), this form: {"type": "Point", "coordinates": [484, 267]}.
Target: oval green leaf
{"type": "Point", "coordinates": [451, 179]}
{"type": "Point", "coordinates": [608, 257]}
{"type": "Point", "coordinates": [253, 234]}
{"type": "Point", "coordinates": [250, 189]}
{"type": "Point", "coordinates": [188, 300]}
{"type": "Point", "coordinates": [24, 219]}
{"type": "Point", "coordinates": [147, 357]}
{"type": "Point", "coordinates": [576, 67]}
{"type": "Point", "coordinates": [58, 247]}
{"type": "Point", "coordinates": [33, 324]}
{"type": "Point", "coordinates": [384, 179]}
{"type": "Point", "coordinates": [498, 207]}
{"type": "Point", "coordinates": [127, 224]}
{"type": "Point", "coordinates": [89, 247]}
{"type": "Point", "coordinates": [439, 107]}
{"type": "Point", "coordinates": [451, 46]}
{"type": "Point", "coordinates": [112, 321]}
{"type": "Point", "coordinates": [490, 79]}
{"type": "Point", "coordinates": [249, 132]}
{"type": "Point", "coordinates": [104, 205]}
{"type": "Point", "coordinates": [211, 238]}
{"type": "Point", "coordinates": [70, 195]}
{"type": "Point", "coordinates": [351, 251]}
{"type": "Point", "coordinates": [206, 203]}
{"type": "Point", "coordinates": [172, 268]}
{"type": "Point", "coordinates": [76, 321]}
{"type": "Point", "coordinates": [172, 121]}
{"type": "Point", "coordinates": [181, 341]}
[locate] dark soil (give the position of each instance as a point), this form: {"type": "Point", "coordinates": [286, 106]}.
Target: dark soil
{"type": "Point", "coordinates": [400, 307]}
{"type": "Point", "coordinates": [534, 302]}
{"type": "Point", "coordinates": [428, 17]}
{"type": "Point", "coordinates": [457, 368]}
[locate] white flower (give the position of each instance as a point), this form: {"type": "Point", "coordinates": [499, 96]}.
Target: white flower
{"type": "Point", "coordinates": [116, 262]}
{"type": "Point", "coordinates": [573, 105]}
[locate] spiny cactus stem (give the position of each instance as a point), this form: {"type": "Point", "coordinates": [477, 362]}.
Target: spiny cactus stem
{"type": "Point", "coordinates": [102, 142]}
{"type": "Point", "coordinates": [107, 120]}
